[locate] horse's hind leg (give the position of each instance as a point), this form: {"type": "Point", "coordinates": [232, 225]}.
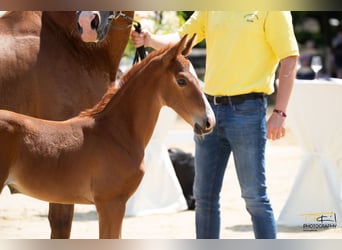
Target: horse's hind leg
{"type": "Point", "coordinates": [5, 163]}
{"type": "Point", "coordinates": [3, 174]}
{"type": "Point", "coordinates": [60, 218]}
{"type": "Point", "coordinates": [3, 177]}
{"type": "Point", "coordinates": [111, 214]}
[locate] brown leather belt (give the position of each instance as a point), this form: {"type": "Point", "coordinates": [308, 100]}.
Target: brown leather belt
{"type": "Point", "coordinates": [236, 99]}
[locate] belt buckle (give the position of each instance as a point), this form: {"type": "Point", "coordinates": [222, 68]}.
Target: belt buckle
{"type": "Point", "coordinates": [215, 102]}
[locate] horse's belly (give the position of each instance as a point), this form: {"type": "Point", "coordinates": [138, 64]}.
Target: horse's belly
{"type": "Point", "coordinates": [43, 190]}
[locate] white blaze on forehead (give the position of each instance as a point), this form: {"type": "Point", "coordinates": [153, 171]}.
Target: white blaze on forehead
{"type": "Point", "coordinates": [84, 20]}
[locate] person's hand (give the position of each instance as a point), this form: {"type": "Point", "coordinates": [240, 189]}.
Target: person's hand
{"type": "Point", "coordinates": [276, 126]}
{"type": "Point", "coordinates": [140, 39]}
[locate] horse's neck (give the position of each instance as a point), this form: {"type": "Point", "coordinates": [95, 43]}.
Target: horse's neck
{"type": "Point", "coordinates": [114, 44]}
{"type": "Point", "coordinates": [135, 110]}
{"type": "Point", "coordinates": [60, 21]}
{"type": "Point", "coordinates": [63, 36]}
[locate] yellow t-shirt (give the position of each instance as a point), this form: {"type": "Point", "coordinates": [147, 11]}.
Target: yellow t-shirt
{"type": "Point", "coordinates": [243, 48]}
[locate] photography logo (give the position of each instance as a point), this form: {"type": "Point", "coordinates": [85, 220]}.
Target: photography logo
{"type": "Point", "coordinates": [319, 221]}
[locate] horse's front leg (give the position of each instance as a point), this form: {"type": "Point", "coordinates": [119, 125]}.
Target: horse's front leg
{"type": "Point", "coordinates": [60, 218]}
{"type": "Point", "coordinates": [111, 214]}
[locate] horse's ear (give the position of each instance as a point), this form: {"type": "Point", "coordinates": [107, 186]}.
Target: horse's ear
{"type": "Point", "coordinates": [189, 45]}
{"type": "Point", "coordinates": [176, 50]}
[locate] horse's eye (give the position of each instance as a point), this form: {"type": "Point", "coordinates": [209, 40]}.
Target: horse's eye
{"type": "Point", "coordinates": [181, 82]}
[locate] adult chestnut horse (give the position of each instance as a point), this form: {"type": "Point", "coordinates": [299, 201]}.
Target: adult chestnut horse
{"type": "Point", "coordinates": [47, 71]}
{"type": "Point", "coordinates": [97, 156]}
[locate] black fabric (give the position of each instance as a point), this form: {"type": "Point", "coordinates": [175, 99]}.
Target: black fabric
{"type": "Point", "coordinates": [183, 164]}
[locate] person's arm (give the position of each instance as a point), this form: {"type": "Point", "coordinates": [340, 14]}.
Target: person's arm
{"type": "Point", "coordinates": [147, 39]}
{"type": "Point", "coordinates": [287, 73]}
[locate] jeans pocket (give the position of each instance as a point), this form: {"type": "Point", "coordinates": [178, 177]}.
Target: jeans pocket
{"type": "Point", "coordinates": [250, 106]}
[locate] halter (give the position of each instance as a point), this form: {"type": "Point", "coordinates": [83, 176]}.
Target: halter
{"type": "Point", "coordinates": [140, 52]}
{"type": "Point", "coordinates": [116, 15]}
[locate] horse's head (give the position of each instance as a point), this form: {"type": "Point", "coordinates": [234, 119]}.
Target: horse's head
{"type": "Point", "coordinates": [181, 89]}
{"type": "Point", "coordinates": [93, 25]}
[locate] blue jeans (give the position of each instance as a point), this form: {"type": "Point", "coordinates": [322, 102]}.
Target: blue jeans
{"type": "Point", "coordinates": [240, 129]}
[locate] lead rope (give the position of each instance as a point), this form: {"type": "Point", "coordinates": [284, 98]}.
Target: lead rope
{"type": "Point", "coordinates": [140, 52]}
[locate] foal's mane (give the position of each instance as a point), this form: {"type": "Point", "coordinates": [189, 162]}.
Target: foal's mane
{"type": "Point", "coordinates": [113, 89]}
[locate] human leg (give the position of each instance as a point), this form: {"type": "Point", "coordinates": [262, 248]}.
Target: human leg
{"type": "Point", "coordinates": [247, 136]}
{"type": "Point", "coordinates": [211, 156]}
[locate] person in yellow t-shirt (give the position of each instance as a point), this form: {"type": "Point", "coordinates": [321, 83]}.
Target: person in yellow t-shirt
{"type": "Point", "coordinates": [243, 52]}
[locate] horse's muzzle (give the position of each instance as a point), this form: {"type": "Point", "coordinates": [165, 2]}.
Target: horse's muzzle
{"type": "Point", "coordinates": [206, 127]}
{"type": "Point", "coordinates": [88, 23]}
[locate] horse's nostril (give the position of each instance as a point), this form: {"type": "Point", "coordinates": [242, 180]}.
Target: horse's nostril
{"type": "Point", "coordinates": [95, 22]}
{"type": "Point", "coordinates": [208, 124]}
